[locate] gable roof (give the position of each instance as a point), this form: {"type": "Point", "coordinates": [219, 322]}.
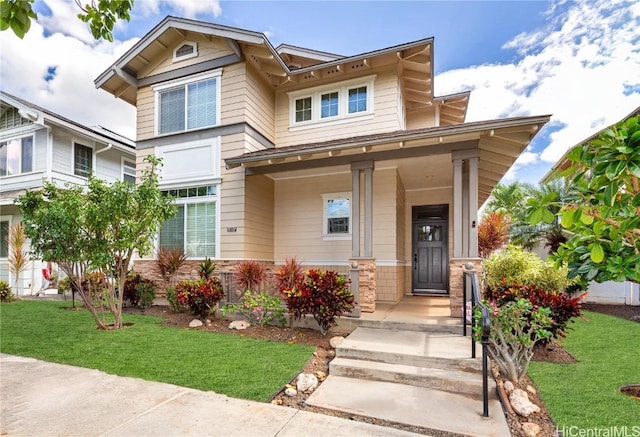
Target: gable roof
{"type": "Point", "coordinates": [40, 115]}
{"type": "Point", "coordinates": [562, 163]}
{"type": "Point", "coordinates": [281, 66]}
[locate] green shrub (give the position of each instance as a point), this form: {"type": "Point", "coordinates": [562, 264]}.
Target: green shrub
{"type": "Point", "coordinates": [173, 303]}
{"type": "Point", "coordinates": [323, 294]}
{"type": "Point", "coordinates": [206, 268]}
{"type": "Point", "coordinates": [289, 275]}
{"type": "Point", "coordinates": [516, 265]}
{"type": "Point", "coordinates": [516, 327]}
{"type": "Point", "coordinates": [6, 293]}
{"type": "Point", "coordinates": [139, 291]}
{"type": "Point", "coordinates": [258, 309]}
{"type": "Point", "coordinates": [200, 296]}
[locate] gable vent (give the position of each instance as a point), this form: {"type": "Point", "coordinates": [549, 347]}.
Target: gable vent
{"type": "Point", "coordinates": [185, 51]}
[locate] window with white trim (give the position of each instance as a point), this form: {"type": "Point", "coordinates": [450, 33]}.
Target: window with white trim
{"type": "Point", "coordinates": [16, 156]}
{"type": "Point", "coordinates": [128, 171]}
{"type": "Point", "coordinates": [4, 239]}
{"type": "Point", "coordinates": [188, 104]}
{"type": "Point", "coordinates": [82, 160]}
{"type": "Point", "coordinates": [331, 103]}
{"type": "Point", "coordinates": [194, 228]}
{"type": "Point", "coordinates": [337, 214]}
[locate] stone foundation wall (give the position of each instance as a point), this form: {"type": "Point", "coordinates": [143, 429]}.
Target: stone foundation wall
{"type": "Point", "coordinates": [456, 267]}
{"type": "Point", "coordinates": [367, 283]}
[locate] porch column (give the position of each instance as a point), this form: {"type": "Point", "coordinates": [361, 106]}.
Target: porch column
{"type": "Point", "coordinates": [368, 211]}
{"type": "Point", "coordinates": [457, 208]}
{"type": "Point", "coordinates": [355, 212]}
{"type": "Point", "coordinates": [473, 207]}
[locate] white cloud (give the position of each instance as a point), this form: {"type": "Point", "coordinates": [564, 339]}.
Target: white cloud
{"type": "Point", "coordinates": [71, 93]}
{"type": "Point", "coordinates": [183, 8]}
{"type": "Point", "coordinates": [576, 68]}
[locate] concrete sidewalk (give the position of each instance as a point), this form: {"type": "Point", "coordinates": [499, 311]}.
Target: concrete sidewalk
{"type": "Point", "coordinates": [38, 398]}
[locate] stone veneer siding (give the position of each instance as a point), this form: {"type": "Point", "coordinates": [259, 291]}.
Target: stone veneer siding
{"type": "Point", "coordinates": [367, 283]}
{"type": "Point", "coordinates": [456, 267]}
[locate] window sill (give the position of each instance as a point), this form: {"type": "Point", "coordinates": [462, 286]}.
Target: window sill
{"type": "Point", "coordinates": [336, 237]}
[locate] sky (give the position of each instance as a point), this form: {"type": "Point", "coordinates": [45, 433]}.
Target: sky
{"type": "Point", "coordinates": [576, 60]}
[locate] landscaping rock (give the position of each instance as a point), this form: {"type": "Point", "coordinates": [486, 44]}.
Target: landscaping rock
{"type": "Point", "coordinates": [531, 389]}
{"type": "Point", "coordinates": [195, 323]}
{"type": "Point", "coordinates": [531, 429]}
{"type": "Point", "coordinates": [508, 386]}
{"type": "Point", "coordinates": [291, 392]}
{"type": "Point", "coordinates": [321, 375]}
{"type": "Point", "coordinates": [240, 325]}
{"type": "Point", "coordinates": [277, 402]}
{"type": "Point", "coordinates": [521, 404]}
{"type": "Point", "coordinates": [208, 322]}
{"type": "Point", "coordinates": [336, 341]}
{"type": "Point", "coordinates": [307, 382]}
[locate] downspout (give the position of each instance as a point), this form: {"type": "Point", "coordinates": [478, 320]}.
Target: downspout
{"type": "Point", "coordinates": [109, 147]}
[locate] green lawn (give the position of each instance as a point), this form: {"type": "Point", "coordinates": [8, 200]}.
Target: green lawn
{"type": "Point", "coordinates": [585, 394]}
{"type": "Point", "coordinates": [235, 366]}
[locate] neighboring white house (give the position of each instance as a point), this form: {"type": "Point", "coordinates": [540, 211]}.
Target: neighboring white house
{"type": "Point", "coordinates": [37, 145]}
{"type": "Point", "coordinates": [609, 292]}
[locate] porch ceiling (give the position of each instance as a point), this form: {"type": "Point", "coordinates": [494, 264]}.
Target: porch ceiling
{"type": "Point", "coordinates": [498, 143]}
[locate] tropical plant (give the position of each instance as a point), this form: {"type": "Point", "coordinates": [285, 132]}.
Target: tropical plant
{"type": "Point", "coordinates": [516, 327]}
{"type": "Point", "coordinates": [18, 258]}
{"type": "Point", "coordinates": [507, 199]}
{"type": "Point", "coordinates": [139, 291]}
{"type": "Point", "coordinates": [200, 296]}
{"type": "Point", "coordinates": [258, 309]}
{"type": "Point", "coordinates": [168, 261]}
{"type": "Point", "coordinates": [493, 233]}
{"type": "Point", "coordinates": [323, 294]}
{"type": "Point", "coordinates": [248, 274]}
{"type": "Point", "coordinates": [173, 302]}
{"type": "Point", "coordinates": [99, 229]}
{"type": "Point", "coordinates": [206, 268]}
{"type": "Point", "coordinates": [289, 275]}
{"type": "Point", "coordinates": [6, 294]}
{"type": "Point", "coordinates": [602, 212]}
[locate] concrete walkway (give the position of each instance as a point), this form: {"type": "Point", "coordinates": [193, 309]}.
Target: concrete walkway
{"type": "Point", "coordinates": [38, 398]}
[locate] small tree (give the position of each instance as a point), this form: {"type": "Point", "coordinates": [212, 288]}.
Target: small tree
{"type": "Point", "coordinates": [18, 258]}
{"type": "Point", "coordinates": [97, 230]}
{"type": "Point", "coordinates": [602, 211]}
{"type": "Point", "coordinates": [493, 233]}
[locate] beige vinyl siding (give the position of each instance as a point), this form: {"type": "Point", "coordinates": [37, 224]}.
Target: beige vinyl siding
{"type": "Point", "coordinates": [232, 202]}
{"type": "Point", "coordinates": [298, 216]}
{"type": "Point", "coordinates": [145, 113]}
{"type": "Point", "coordinates": [260, 104]}
{"type": "Point", "coordinates": [258, 220]}
{"type": "Point", "coordinates": [385, 117]}
{"type": "Point", "coordinates": [436, 196]}
{"type": "Point", "coordinates": [420, 119]}
{"type": "Point", "coordinates": [384, 215]}
{"type": "Point", "coordinates": [400, 219]}
{"type": "Point", "coordinates": [233, 94]}
{"type": "Point", "coordinates": [207, 50]}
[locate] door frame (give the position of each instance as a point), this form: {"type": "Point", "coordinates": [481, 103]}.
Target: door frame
{"type": "Point", "coordinates": [430, 214]}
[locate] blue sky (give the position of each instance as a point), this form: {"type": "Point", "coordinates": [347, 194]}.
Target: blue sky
{"type": "Point", "coordinates": [576, 60]}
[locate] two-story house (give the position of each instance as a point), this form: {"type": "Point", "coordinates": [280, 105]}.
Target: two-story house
{"type": "Point", "coordinates": [37, 145]}
{"type": "Point", "coordinates": [345, 162]}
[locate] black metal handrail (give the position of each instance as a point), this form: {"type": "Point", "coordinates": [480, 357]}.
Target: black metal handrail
{"type": "Point", "coordinates": [470, 276]}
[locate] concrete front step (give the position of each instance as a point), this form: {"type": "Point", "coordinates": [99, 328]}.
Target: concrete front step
{"type": "Point", "coordinates": [411, 405]}
{"type": "Point", "coordinates": [410, 348]}
{"type": "Point", "coordinates": [454, 381]}
{"type": "Point", "coordinates": [428, 324]}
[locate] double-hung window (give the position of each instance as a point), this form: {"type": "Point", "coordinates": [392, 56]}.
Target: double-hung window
{"type": "Point", "coordinates": [129, 171]}
{"type": "Point", "coordinates": [82, 160]}
{"type": "Point", "coordinates": [188, 104]}
{"type": "Point", "coordinates": [194, 228]}
{"type": "Point", "coordinates": [337, 215]}
{"type": "Point", "coordinates": [333, 103]}
{"type": "Point", "coordinates": [16, 156]}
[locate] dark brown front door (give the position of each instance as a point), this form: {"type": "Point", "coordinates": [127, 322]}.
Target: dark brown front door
{"type": "Point", "coordinates": [430, 254]}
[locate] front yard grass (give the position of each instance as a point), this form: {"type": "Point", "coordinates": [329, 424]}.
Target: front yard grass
{"type": "Point", "coordinates": [586, 394]}
{"type": "Point", "coordinates": [235, 366]}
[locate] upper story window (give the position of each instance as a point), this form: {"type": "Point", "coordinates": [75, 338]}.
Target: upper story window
{"type": "Point", "coordinates": [129, 171]}
{"type": "Point", "coordinates": [16, 156]}
{"type": "Point", "coordinates": [188, 104]}
{"type": "Point", "coordinates": [185, 51]}
{"type": "Point", "coordinates": [331, 103]}
{"type": "Point", "coordinates": [337, 215]}
{"type": "Point", "coordinates": [82, 160]}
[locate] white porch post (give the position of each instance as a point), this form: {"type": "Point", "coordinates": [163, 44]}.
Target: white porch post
{"type": "Point", "coordinates": [355, 212]}
{"type": "Point", "coordinates": [368, 211]}
{"type": "Point", "coordinates": [473, 207]}
{"type": "Point", "coordinates": [457, 208]}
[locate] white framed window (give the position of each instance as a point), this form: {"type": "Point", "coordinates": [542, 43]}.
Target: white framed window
{"type": "Point", "coordinates": [185, 50]}
{"type": "Point", "coordinates": [82, 160]}
{"type": "Point", "coordinates": [188, 104]}
{"type": "Point", "coordinates": [5, 223]}
{"type": "Point", "coordinates": [329, 104]}
{"type": "Point", "coordinates": [194, 229]}
{"type": "Point", "coordinates": [128, 171]}
{"type": "Point", "coordinates": [336, 211]}
{"type": "Point", "coordinates": [16, 156]}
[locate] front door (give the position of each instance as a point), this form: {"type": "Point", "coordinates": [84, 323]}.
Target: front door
{"type": "Point", "coordinates": [430, 254]}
